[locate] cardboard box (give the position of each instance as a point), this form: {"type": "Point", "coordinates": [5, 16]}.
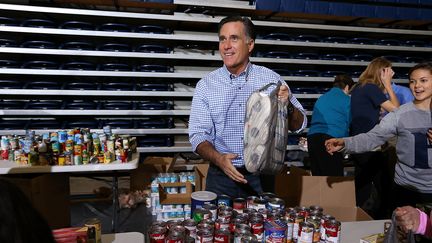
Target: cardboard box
{"type": "Point", "coordinates": [49, 194]}
{"type": "Point", "coordinates": [142, 176]}
{"type": "Point", "coordinates": [335, 194]}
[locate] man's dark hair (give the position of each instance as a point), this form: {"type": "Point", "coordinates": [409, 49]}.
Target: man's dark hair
{"type": "Point", "coordinates": [343, 80]}
{"type": "Point", "coordinates": [249, 26]}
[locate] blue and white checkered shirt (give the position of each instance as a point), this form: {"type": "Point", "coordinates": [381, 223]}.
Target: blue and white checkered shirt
{"type": "Point", "coordinates": [219, 106]}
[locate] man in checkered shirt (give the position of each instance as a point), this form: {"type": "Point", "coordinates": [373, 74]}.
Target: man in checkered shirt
{"type": "Point", "coordinates": [216, 123]}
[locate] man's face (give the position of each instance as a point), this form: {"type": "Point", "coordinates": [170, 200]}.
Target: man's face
{"type": "Point", "coordinates": [235, 46]}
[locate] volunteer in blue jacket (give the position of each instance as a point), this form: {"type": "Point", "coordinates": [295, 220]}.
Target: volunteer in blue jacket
{"type": "Point", "coordinates": [216, 123]}
{"type": "Point", "coordinates": [331, 119]}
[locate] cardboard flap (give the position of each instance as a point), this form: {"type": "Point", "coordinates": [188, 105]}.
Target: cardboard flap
{"type": "Point", "coordinates": [179, 198]}
{"type": "Point", "coordinates": [328, 191]}
{"type": "Point", "coordinates": [298, 188]}
{"type": "Point", "coordinates": [200, 176]}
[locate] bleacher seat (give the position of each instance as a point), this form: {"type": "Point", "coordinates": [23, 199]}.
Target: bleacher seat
{"type": "Point", "coordinates": [10, 84]}
{"type": "Point", "coordinates": [77, 25]}
{"type": "Point", "coordinates": [361, 57]}
{"type": "Point", "coordinates": [78, 66]}
{"type": "Point", "coordinates": [154, 68]}
{"type": "Point", "coordinates": [12, 104]}
{"type": "Point", "coordinates": [153, 105]}
{"type": "Point", "coordinates": [40, 65]}
{"type": "Point", "coordinates": [42, 44]}
{"type": "Point", "coordinates": [153, 49]}
{"type": "Point", "coordinates": [149, 123]}
{"type": "Point", "coordinates": [43, 85]}
{"type": "Point", "coordinates": [8, 43]}
{"type": "Point", "coordinates": [81, 86]}
{"type": "Point", "coordinates": [39, 23]}
{"type": "Point", "coordinates": [306, 55]}
{"type": "Point", "coordinates": [81, 105]}
{"type": "Point", "coordinates": [334, 39]}
{"type": "Point", "coordinates": [121, 86]}
{"type": "Point", "coordinates": [77, 45]}
{"type": "Point", "coordinates": [282, 72]}
{"type": "Point", "coordinates": [331, 74]}
{"type": "Point", "coordinates": [307, 38]}
{"type": "Point", "coordinates": [87, 123]}
{"type": "Point", "coordinates": [388, 42]}
{"type": "Point", "coordinates": [13, 124]}
{"type": "Point", "coordinates": [154, 87]}
{"type": "Point", "coordinates": [121, 67]}
{"type": "Point", "coordinates": [117, 105]}
{"type": "Point", "coordinates": [414, 43]}
{"type": "Point", "coordinates": [393, 58]}
{"type": "Point", "coordinates": [306, 73]}
{"type": "Point", "coordinates": [5, 21]}
{"type": "Point", "coordinates": [115, 47]}
{"type": "Point", "coordinates": [44, 124]}
{"type": "Point", "coordinates": [333, 57]}
{"type": "Point", "coordinates": [44, 105]}
{"type": "Point", "coordinates": [152, 29]}
{"type": "Point", "coordinates": [119, 124]}
{"type": "Point", "coordinates": [277, 36]}
{"type": "Point", "coordinates": [277, 54]}
{"type": "Point", "coordinates": [115, 27]}
{"type": "Point", "coordinates": [155, 141]}
{"type": "Point", "coordinates": [9, 64]}
{"type": "Point", "coordinates": [361, 41]}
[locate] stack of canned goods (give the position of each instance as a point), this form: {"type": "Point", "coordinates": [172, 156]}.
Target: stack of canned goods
{"type": "Point", "coordinates": [170, 178]}
{"type": "Point", "coordinates": [251, 220]}
{"type": "Point", "coordinates": [72, 147]}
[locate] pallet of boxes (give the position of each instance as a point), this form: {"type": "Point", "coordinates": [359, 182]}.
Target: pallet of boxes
{"type": "Point", "coordinates": [169, 192]}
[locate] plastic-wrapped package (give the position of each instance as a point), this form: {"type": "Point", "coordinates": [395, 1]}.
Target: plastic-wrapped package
{"type": "Point", "coordinates": [266, 131]}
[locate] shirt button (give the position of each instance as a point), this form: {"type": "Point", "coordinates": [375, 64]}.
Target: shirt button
{"type": "Point", "coordinates": [240, 104]}
{"type": "Point", "coordinates": [239, 88]}
{"type": "Point", "coordinates": [241, 121]}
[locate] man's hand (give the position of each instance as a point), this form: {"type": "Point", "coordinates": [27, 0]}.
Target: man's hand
{"type": "Point", "coordinates": [408, 218]}
{"type": "Point", "coordinates": [334, 145]}
{"type": "Point", "coordinates": [225, 164]}
{"type": "Point", "coordinates": [283, 93]}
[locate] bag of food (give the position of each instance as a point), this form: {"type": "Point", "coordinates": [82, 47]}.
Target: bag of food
{"type": "Point", "coordinates": [266, 131]}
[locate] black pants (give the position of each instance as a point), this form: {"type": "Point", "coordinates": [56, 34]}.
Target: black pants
{"type": "Point", "coordinates": [373, 183]}
{"type": "Point", "coordinates": [406, 197]}
{"type": "Point", "coordinates": [322, 163]}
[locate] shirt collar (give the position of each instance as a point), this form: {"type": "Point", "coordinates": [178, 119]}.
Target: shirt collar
{"type": "Point", "coordinates": [245, 72]}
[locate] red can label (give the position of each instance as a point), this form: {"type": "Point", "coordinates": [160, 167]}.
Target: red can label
{"type": "Point", "coordinates": [239, 204]}
{"type": "Point", "coordinates": [157, 238]}
{"type": "Point", "coordinates": [258, 230]}
{"type": "Point", "coordinates": [332, 231]}
{"type": "Point", "coordinates": [222, 236]}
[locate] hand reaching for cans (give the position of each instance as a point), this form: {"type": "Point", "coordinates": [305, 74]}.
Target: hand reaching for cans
{"type": "Point", "coordinates": [408, 218]}
{"type": "Point", "coordinates": [225, 163]}
{"type": "Point", "coordinates": [334, 145]}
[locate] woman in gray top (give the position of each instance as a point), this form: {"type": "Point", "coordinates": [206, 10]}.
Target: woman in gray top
{"type": "Point", "coordinates": [412, 125]}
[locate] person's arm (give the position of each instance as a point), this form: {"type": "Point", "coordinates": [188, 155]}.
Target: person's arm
{"type": "Point", "coordinates": [412, 219]}
{"type": "Point", "coordinates": [392, 103]}
{"type": "Point", "coordinates": [297, 119]}
{"type": "Point", "coordinates": [224, 161]}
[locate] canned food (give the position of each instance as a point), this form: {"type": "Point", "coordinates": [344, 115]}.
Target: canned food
{"type": "Point", "coordinates": [239, 204]}
{"type": "Point", "coordinates": [191, 226]}
{"type": "Point", "coordinates": [157, 234]}
{"type": "Point", "coordinates": [303, 211]}
{"type": "Point", "coordinates": [259, 203]}
{"type": "Point", "coordinates": [249, 211]}
{"type": "Point", "coordinates": [290, 228]}
{"type": "Point", "coordinates": [316, 208]}
{"type": "Point", "coordinates": [213, 209]}
{"type": "Point", "coordinates": [224, 213]}
{"type": "Point", "coordinates": [223, 200]}
{"type": "Point", "coordinates": [234, 222]}
{"type": "Point", "coordinates": [222, 236]}
{"type": "Point", "coordinates": [324, 219]}
{"type": "Point", "coordinates": [240, 231]}
{"type": "Point", "coordinates": [250, 201]}
{"type": "Point", "coordinates": [175, 236]}
{"type": "Point", "coordinates": [306, 233]}
{"type": "Point", "coordinates": [257, 226]}
{"type": "Point", "coordinates": [249, 239]}
{"type": "Point", "coordinates": [222, 223]}
{"type": "Point", "coordinates": [298, 219]}
{"type": "Point", "coordinates": [332, 231]}
{"type": "Point", "coordinates": [267, 195]}
{"type": "Point", "coordinates": [201, 213]}
{"type": "Point", "coordinates": [274, 231]}
{"type": "Point", "coordinates": [264, 212]}
{"type": "Point", "coordinates": [204, 236]}
{"type": "Point", "coordinates": [275, 203]}
{"type": "Point", "coordinates": [96, 224]}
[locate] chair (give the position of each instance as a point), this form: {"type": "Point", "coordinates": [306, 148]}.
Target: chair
{"type": "Point", "coordinates": [44, 105]}
{"type": "Point", "coordinates": [115, 47]}
{"type": "Point", "coordinates": [277, 36]}
{"type": "Point", "coordinates": [277, 54]}
{"type": "Point", "coordinates": [154, 68]}
{"type": "Point", "coordinates": [44, 124]}
{"type": "Point", "coordinates": [43, 85]}
{"type": "Point", "coordinates": [10, 84]}
{"type": "Point", "coordinates": [39, 44]}
{"type": "Point", "coordinates": [307, 38]}
{"type": "Point", "coordinates": [117, 105]}
{"type": "Point", "coordinates": [39, 23]}
{"type": "Point", "coordinates": [393, 58]}
{"type": "Point", "coordinates": [5, 21]}
{"type": "Point", "coordinates": [12, 104]}
{"type": "Point", "coordinates": [81, 105]}
{"type": "Point", "coordinates": [77, 25]}
{"type": "Point", "coordinates": [331, 74]}
{"type": "Point", "coordinates": [306, 73]}
{"type": "Point", "coordinates": [120, 67]}
{"type": "Point", "coordinates": [40, 65]}
{"type": "Point", "coordinates": [388, 42]}
{"type": "Point", "coordinates": [415, 43]}
{"type": "Point", "coordinates": [120, 86]}
{"type": "Point", "coordinates": [361, 41]}
{"type": "Point", "coordinates": [152, 123]}
{"type": "Point", "coordinates": [13, 124]}
{"type": "Point", "coordinates": [9, 64]}
{"type": "Point", "coordinates": [282, 72]}
{"type": "Point", "coordinates": [361, 57]}
{"type": "Point", "coordinates": [81, 86]}
{"type": "Point", "coordinates": [334, 39]}
{"type": "Point", "coordinates": [119, 124]}
{"type": "Point", "coordinates": [153, 49]}
{"type": "Point", "coordinates": [77, 45]}
{"type": "Point", "coordinates": [155, 141]}
{"type": "Point", "coordinates": [154, 87]}
{"type": "Point", "coordinates": [413, 59]}
{"type": "Point", "coordinates": [92, 124]}
{"type": "Point", "coordinates": [78, 66]}
{"type": "Point", "coordinates": [8, 43]}
{"type": "Point", "coordinates": [333, 57]}
{"type": "Point", "coordinates": [154, 105]}
{"type": "Point", "coordinates": [115, 27]}
{"type": "Point", "coordinates": [306, 55]}
{"type": "Point", "coordinates": [152, 29]}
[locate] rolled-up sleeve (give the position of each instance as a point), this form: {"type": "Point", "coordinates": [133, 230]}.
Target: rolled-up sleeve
{"type": "Point", "coordinates": [201, 126]}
